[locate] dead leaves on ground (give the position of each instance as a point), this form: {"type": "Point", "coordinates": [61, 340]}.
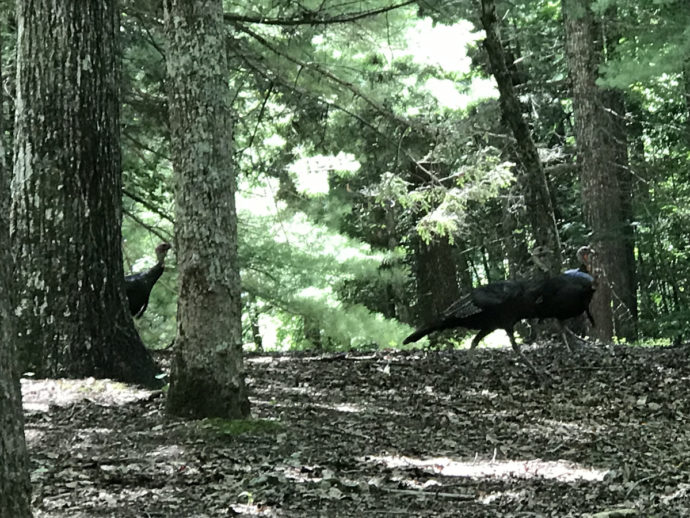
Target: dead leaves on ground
{"type": "Point", "coordinates": [380, 434]}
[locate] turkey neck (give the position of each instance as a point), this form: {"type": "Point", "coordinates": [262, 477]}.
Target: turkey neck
{"type": "Point", "coordinates": [161, 259]}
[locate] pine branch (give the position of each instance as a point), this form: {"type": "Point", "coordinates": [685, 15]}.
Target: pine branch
{"type": "Point", "coordinates": [311, 17]}
{"type": "Point", "coordinates": [148, 205]}
{"type": "Point", "coordinates": [160, 233]}
{"type": "Point", "coordinates": [137, 143]}
{"type": "Point", "coordinates": [305, 93]}
{"type": "Point", "coordinates": [276, 79]}
{"type": "Point", "coordinates": [341, 82]}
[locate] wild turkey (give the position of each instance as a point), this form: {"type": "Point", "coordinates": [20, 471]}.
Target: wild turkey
{"type": "Point", "coordinates": [500, 305]}
{"type": "Point", "coordinates": [568, 295]}
{"type": "Point", "coordinates": [139, 285]}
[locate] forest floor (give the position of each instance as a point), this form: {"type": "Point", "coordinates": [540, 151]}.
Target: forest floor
{"type": "Point", "coordinates": [383, 434]}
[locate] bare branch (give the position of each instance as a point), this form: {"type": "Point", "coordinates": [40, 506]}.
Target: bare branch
{"type": "Point", "coordinates": [148, 205]}
{"type": "Point", "coordinates": [162, 234]}
{"type": "Point", "coordinates": [304, 93]}
{"type": "Point", "coordinates": [341, 82]}
{"type": "Point", "coordinates": [312, 18]}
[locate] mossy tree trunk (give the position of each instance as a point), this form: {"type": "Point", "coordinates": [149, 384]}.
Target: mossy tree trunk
{"type": "Point", "coordinates": [207, 376]}
{"type": "Point", "coordinates": [15, 489]}
{"type": "Point", "coordinates": [66, 206]}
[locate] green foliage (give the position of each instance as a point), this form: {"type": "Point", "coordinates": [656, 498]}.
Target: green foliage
{"type": "Point", "coordinates": [295, 266]}
{"type": "Point", "coordinates": [353, 140]}
{"type": "Point", "coordinates": [478, 182]}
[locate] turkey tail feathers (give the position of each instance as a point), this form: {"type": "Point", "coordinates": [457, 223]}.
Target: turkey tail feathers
{"type": "Point", "coordinates": [419, 334]}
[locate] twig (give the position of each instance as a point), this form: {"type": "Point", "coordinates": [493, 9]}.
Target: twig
{"type": "Point", "coordinates": [341, 356]}
{"type": "Point", "coordinates": [335, 432]}
{"type": "Point", "coordinates": [638, 482]}
{"type": "Point", "coordinates": [148, 205]}
{"type": "Point", "coordinates": [148, 227]}
{"type": "Point", "coordinates": [413, 492]}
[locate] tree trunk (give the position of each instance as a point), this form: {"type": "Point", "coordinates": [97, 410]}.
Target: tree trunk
{"type": "Point", "coordinates": [623, 277]}
{"type": "Point", "coordinates": [66, 206]}
{"type": "Point", "coordinates": [207, 377]}
{"type": "Point", "coordinates": [686, 95]}
{"type": "Point", "coordinates": [253, 312]}
{"type": "Point", "coordinates": [8, 27]}
{"type": "Point", "coordinates": [437, 286]}
{"type": "Point", "coordinates": [598, 159]}
{"type": "Point", "coordinates": [15, 489]}
{"type": "Point", "coordinates": [539, 206]}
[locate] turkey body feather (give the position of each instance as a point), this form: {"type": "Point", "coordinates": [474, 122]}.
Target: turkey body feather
{"type": "Point", "coordinates": [500, 305]}
{"type": "Point", "coordinates": [138, 286]}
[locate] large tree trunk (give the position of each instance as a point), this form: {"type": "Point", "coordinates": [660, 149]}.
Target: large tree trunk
{"type": "Point", "coordinates": [598, 158]}
{"type": "Point", "coordinates": [66, 206]}
{"type": "Point", "coordinates": [15, 489]}
{"type": "Point", "coordinates": [624, 278]}
{"type": "Point", "coordinates": [539, 205]}
{"type": "Point", "coordinates": [207, 376]}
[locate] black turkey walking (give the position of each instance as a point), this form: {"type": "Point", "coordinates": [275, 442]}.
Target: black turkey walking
{"type": "Point", "coordinates": [139, 285]}
{"type": "Point", "coordinates": [500, 305]}
{"type": "Point", "coordinates": [568, 295]}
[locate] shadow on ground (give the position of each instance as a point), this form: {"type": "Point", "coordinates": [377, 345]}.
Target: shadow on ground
{"type": "Point", "coordinates": [384, 434]}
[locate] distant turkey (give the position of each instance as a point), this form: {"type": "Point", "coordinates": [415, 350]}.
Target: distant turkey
{"type": "Point", "coordinates": [139, 285]}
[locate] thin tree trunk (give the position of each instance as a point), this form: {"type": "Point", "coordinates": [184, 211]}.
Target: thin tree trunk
{"type": "Point", "coordinates": [66, 205]}
{"type": "Point", "coordinates": [464, 269]}
{"type": "Point", "coordinates": [686, 94]}
{"type": "Point", "coordinates": [15, 489]}
{"type": "Point", "coordinates": [207, 377]}
{"type": "Point", "coordinates": [539, 206]}
{"type": "Point", "coordinates": [437, 286]}
{"type": "Point", "coordinates": [515, 247]}
{"type": "Point", "coordinates": [253, 312]}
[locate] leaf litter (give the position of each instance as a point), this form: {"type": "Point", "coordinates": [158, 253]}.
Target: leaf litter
{"type": "Point", "coordinates": [389, 433]}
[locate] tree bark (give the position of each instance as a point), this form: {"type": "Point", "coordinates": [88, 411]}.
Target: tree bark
{"type": "Point", "coordinates": [66, 206]}
{"type": "Point", "coordinates": [539, 205]}
{"type": "Point", "coordinates": [686, 95]}
{"type": "Point", "coordinates": [598, 156]}
{"type": "Point", "coordinates": [437, 286]}
{"type": "Point", "coordinates": [15, 489]}
{"type": "Point", "coordinates": [624, 276]}
{"type": "Point", "coordinates": [207, 377]}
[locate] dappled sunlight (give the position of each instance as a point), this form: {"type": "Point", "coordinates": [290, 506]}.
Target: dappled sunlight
{"type": "Point", "coordinates": [34, 436]}
{"type": "Point", "coordinates": [168, 451]}
{"type": "Point", "coordinates": [563, 471]}
{"type": "Point", "coordinates": [39, 394]}
{"type": "Point", "coordinates": [311, 173]}
{"type": "Point", "coordinates": [268, 359]}
{"type": "Point", "coordinates": [341, 407]}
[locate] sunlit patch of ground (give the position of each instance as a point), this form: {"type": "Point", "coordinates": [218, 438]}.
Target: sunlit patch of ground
{"type": "Point", "coordinates": [563, 471]}
{"type": "Point", "coordinates": [415, 433]}
{"type": "Point", "coordinates": [40, 394]}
